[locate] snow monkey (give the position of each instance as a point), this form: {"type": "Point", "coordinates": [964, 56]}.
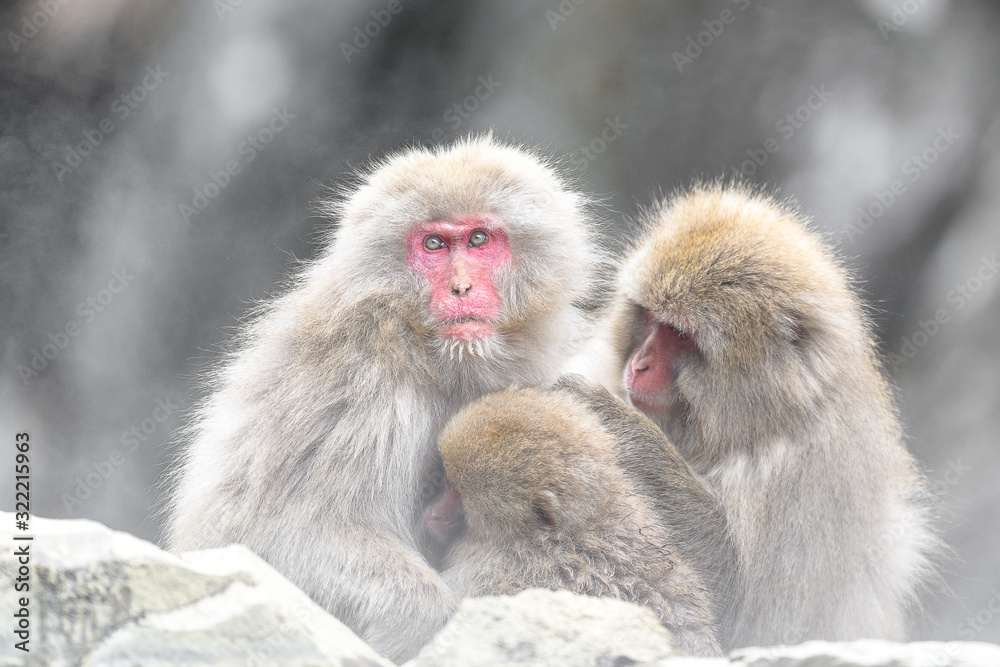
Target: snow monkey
{"type": "Point", "coordinates": [736, 330]}
{"type": "Point", "coordinates": [535, 498]}
{"type": "Point", "coordinates": [453, 272]}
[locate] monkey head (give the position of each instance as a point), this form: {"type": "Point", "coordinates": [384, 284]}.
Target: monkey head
{"type": "Point", "coordinates": [728, 311]}
{"type": "Point", "coordinates": [520, 463]}
{"type": "Point", "coordinates": [480, 240]}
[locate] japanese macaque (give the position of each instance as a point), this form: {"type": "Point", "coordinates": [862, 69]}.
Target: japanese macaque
{"type": "Point", "coordinates": [535, 498]}
{"type": "Point", "coordinates": [737, 331]}
{"type": "Point", "coordinates": [453, 272]}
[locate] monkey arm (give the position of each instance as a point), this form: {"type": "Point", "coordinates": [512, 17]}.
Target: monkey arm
{"type": "Point", "coordinates": [311, 455]}
{"type": "Point", "coordinates": [369, 578]}
{"type": "Point", "coordinates": [681, 499]}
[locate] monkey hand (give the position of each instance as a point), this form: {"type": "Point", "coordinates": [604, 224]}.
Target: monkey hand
{"type": "Point", "coordinates": [594, 395]}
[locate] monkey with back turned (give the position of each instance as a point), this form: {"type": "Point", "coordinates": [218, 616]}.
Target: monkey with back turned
{"type": "Point", "coordinates": [536, 498]}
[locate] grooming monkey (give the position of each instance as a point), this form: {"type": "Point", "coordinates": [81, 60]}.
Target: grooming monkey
{"type": "Point", "coordinates": [535, 498]}
{"type": "Point", "coordinates": [736, 330]}
{"type": "Point", "coordinates": [454, 272]}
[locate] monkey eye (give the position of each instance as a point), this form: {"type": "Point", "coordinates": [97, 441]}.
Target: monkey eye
{"type": "Point", "coordinates": [433, 242]}
{"type": "Point", "coordinates": [683, 335]}
{"type": "Point", "coordinates": [478, 238]}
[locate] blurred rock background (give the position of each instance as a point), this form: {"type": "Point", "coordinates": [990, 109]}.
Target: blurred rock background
{"type": "Point", "coordinates": [158, 160]}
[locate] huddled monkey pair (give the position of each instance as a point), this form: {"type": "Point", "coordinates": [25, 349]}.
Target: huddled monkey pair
{"type": "Point", "coordinates": [760, 495]}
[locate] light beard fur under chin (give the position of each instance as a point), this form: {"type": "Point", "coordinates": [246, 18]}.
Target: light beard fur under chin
{"type": "Point", "coordinates": [454, 349]}
{"type": "Point", "coordinates": [474, 367]}
{"type": "Point", "coordinates": [532, 351]}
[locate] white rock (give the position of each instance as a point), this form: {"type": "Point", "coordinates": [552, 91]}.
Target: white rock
{"type": "Point", "coordinates": [871, 653]}
{"type": "Point", "coordinates": [99, 597]}
{"type": "Point", "coordinates": [540, 627]}
{"type": "Point", "coordinates": [103, 597]}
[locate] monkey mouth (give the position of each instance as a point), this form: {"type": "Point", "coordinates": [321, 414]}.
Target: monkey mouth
{"type": "Point", "coordinates": [467, 329]}
{"type": "Point", "coordinates": [647, 403]}
{"type": "Point", "coordinates": [467, 338]}
{"type": "Point", "coordinates": [642, 405]}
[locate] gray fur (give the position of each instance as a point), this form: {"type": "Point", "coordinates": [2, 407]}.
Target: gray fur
{"type": "Point", "coordinates": [784, 413]}
{"type": "Point", "coordinates": [512, 450]}
{"type": "Point", "coordinates": [316, 448]}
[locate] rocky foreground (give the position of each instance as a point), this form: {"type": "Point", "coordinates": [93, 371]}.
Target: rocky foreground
{"type": "Point", "coordinates": [101, 597]}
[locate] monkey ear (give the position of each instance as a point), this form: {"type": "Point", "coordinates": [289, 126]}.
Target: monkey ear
{"type": "Point", "coordinates": [545, 504]}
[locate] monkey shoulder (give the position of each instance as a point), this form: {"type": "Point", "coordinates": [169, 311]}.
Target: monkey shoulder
{"type": "Point", "coordinates": [375, 334]}
{"type": "Point", "coordinates": [317, 371]}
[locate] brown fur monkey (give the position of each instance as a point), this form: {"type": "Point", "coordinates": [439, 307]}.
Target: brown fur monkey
{"type": "Point", "coordinates": [453, 273]}
{"type": "Point", "coordinates": [737, 332]}
{"type": "Point", "coordinates": [535, 498]}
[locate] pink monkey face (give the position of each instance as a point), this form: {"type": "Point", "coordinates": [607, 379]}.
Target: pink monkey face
{"type": "Point", "coordinates": [649, 372]}
{"type": "Point", "coordinates": [460, 258]}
